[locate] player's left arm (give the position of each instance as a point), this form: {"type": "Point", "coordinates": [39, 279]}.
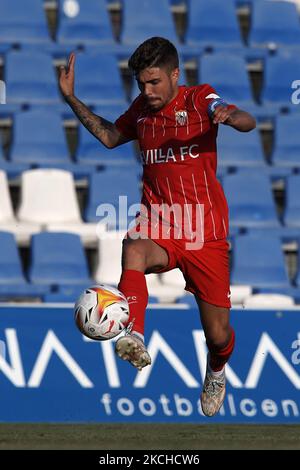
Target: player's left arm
{"type": "Point", "coordinates": [234, 117]}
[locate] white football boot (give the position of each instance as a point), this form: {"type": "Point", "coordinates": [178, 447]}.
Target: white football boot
{"type": "Point", "coordinates": [213, 392]}
{"type": "Point", "coordinates": [131, 348]}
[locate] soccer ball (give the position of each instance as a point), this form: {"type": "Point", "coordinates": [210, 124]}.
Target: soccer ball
{"type": "Point", "coordinates": [101, 312]}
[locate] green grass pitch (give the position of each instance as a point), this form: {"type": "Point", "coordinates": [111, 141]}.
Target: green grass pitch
{"type": "Point", "coordinates": [148, 436]}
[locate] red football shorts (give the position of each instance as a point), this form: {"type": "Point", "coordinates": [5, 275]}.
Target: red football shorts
{"type": "Point", "coordinates": [205, 270]}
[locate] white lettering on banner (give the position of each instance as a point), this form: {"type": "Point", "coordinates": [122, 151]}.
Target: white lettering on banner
{"type": "Point", "coordinates": [147, 407]}
{"type": "Point", "coordinates": [106, 400]}
{"type": "Point", "coordinates": [52, 344]}
{"type": "Point", "coordinates": [248, 407]}
{"type": "Point", "coordinates": [150, 156]}
{"type": "Point", "coordinates": [184, 407]}
{"type": "Point", "coordinates": [265, 347]}
{"type": "Point", "coordinates": [296, 354]}
{"type": "Point", "coordinates": [269, 408]}
{"type": "Point", "coordinates": [158, 344]}
{"type": "Point", "coordinates": [289, 403]}
{"type": "Point", "coordinates": [13, 372]}
{"type": "Point", "coordinates": [125, 406]}
{"type": "Point", "coordinates": [12, 367]}
{"type": "Point", "coordinates": [231, 405]}
{"type": "Point", "coordinates": [164, 401]}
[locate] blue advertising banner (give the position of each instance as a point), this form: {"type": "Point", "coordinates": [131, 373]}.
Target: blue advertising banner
{"type": "Point", "coordinates": [50, 372]}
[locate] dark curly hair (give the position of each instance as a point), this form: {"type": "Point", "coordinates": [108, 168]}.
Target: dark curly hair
{"type": "Point", "coordinates": [154, 52]}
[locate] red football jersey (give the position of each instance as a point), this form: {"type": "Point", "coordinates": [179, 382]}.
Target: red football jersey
{"type": "Point", "coordinates": [179, 156]}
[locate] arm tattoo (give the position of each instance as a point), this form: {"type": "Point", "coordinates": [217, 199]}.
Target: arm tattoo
{"type": "Point", "coordinates": [103, 130]}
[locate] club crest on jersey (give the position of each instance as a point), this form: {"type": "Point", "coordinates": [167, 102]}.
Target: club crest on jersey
{"type": "Point", "coordinates": [181, 117]}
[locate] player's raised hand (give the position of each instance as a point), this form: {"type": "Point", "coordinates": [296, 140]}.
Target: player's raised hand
{"type": "Point", "coordinates": [222, 114]}
{"type": "Point", "coordinates": [66, 77]}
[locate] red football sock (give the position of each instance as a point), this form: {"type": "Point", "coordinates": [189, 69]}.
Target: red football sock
{"type": "Point", "coordinates": [219, 357]}
{"type": "Point", "coordinates": [134, 287]}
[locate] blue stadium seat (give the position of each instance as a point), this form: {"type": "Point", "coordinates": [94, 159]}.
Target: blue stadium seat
{"type": "Point", "coordinates": [98, 79]}
{"type": "Point", "coordinates": [92, 152]}
{"type": "Point", "coordinates": [297, 279]}
{"type": "Point", "coordinates": [292, 201]}
{"type": "Point", "coordinates": [111, 112]}
{"type": "Point", "coordinates": [259, 261]}
{"type": "Point", "coordinates": [213, 23]}
{"type": "Point", "coordinates": [280, 72]}
{"type": "Point", "coordinates": [30, 78]}
{"type": "Point", "coordinates": [58, 258]}
{"type": "Point", "coordinates": [239, 149]}
{"type": "Point", "coordinates": [247, 2]}
{"type": "Point", "coordinates": [274, 22]}
{"type": "Point", "coordinates": [38, 137]}
{"type": "Point", "coordinates": [23, 23]}
{"type": "Point", "coordinates": [4, 48]}
{"type": "Point", "coordinates": [178, 2]}
{"type": "Point", "coordinates": [65, 294]}
{"type": "Point", "coordinates": [10, 264]}
{"type": "Point", "coordinates": [228, 75]}
{"type": "Point", "coordinates": [90, 26]}
{"type": "Point", "coordinates": [8, 111]}
{"type": "Point", "coordinates": [250, 200]}
{"type": "Point", "coordinates": [286, 147]}
{"type": "Point", "coordinates": [287, 234]}
{"type": "Point", "coordinates": [12, 281]}
{"type": "Point", "coordinates": [106, 187]}
{"type": "Point", "coordinates": [146, 18]}
{"type": "Point", "coordinates": [11, 169]}
{"type": "Point", "coordinates": [1, 149]}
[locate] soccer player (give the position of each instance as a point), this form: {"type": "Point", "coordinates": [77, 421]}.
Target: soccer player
{"type": "Point", "coordinates": [184, 216]}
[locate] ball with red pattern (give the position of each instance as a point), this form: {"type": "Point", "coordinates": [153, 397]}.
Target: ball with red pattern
{"type": "Point", "coordinates": [101, 312]}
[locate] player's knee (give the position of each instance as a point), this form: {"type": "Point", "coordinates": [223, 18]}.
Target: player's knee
{"type": "Point", "coordinates": [134, 254]}
{"type": "Point", "coordinates": [218, 336]}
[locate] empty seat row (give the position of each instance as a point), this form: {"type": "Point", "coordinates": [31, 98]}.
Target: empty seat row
{"type": "Point", "coordinates": [228, 74]}
{"type": "Point", "coordinates": [58, 261]}
{"type": "Point", "coordinates": [237, 149]}
{"type": "Point", "coordinates": [251, 202]}
{"type": "Point", "coordinates": [58, 268]}
{"type": "Point", "coordinates": [48, 201]}
{"type": "Point", "coordinates": [49, 147]}
{"type": "Point", "coordinates": [30, 79]}
{"type": "Point", "coordinates": [248, 192]}
{"type": "Point", "coordinates": [87, 22]}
